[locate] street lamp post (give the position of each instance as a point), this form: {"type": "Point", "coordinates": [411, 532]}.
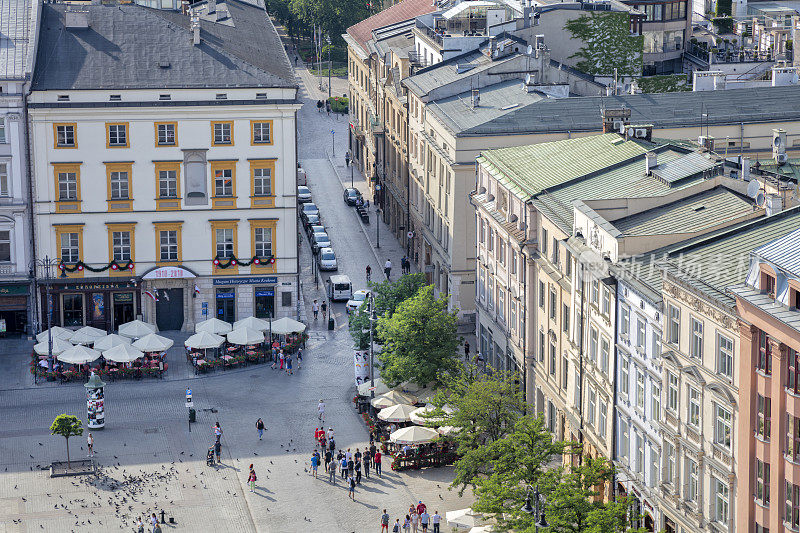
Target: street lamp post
{"type": "Point", "coordinates": [537, 509]}
{"type": "Point", "coordinates": [372, 320]}
{"type": "Point", "coordinates": [328, 40]}
{"type": "Point", "coordinates": [351, 174]}
{"type": "Point", "coordinates": [333, 142]}
{"type": "Point", "coordinates": [47, 264]}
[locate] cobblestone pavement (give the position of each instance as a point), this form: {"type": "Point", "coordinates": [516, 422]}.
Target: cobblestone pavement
{"type": "Point", "coordinates": [154, 462]}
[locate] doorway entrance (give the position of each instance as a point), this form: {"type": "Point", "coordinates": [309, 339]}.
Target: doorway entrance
{"type": "Point", "coordinates": [226, 305]}
{"type": "Point", "coordinates": [169, 309]}
{"type": "Point", "coordinates": [124, 310]}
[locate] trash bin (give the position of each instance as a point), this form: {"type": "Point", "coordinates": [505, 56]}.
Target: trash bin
{"type": "Point", "coordinates": [192, 415]}
{"type": "Point", "coordinates": [330, 323]}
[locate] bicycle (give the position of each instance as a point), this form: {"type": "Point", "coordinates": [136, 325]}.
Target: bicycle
{"type": "Point", "coordinates": [369, 274]}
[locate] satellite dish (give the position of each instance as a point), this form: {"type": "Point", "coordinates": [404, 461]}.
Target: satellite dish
{"type": "Point", "coordinates": [630, 132]}
{"type": "Point", "coordinates": [777, 141]}
{"type": "Point", "coordinates": [761, 199]}
{"type": "Point", "coordinates": [753, 188]}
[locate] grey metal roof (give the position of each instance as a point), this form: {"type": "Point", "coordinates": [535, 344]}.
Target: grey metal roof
{"type": "Point", "coordinates": [780, 312]}
{"type": "Point", "coordinates": [699, 212]}
{"type": "Point", "coordinates": [683, 167]}
{"type": "Point", "coordinates": [714, 263]}
{"type": "Point", "coordinates": [124, 45]}
{"type": "Point", "coordinates": [662, 110]}
{"type": "Point", "coordinates": [783, 252]}
{"type": "Point", "coordinates": [17, 31]}
{"type": "Point", "coordinates": [450, 71]}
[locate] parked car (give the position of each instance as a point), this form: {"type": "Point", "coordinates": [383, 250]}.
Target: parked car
{"type": "Point", "coordinates": [358, 299]}
{"type": "Point", "coordinates": [339, 288]}
{"type": "Point", "coordinates": [320, 240]}
{"type": "Point", "coordinates": [327, 259]}
{"type": "Point", "coordinates": [303, 194]}
{"type": "Point", "coordinates": [351, 196]}
{"type": "Point", "coordinates": [316, 228]}
{"type": "Point", "coordinates": [309, 208]}
{"type": "Point", "coordinates": [311, 220]}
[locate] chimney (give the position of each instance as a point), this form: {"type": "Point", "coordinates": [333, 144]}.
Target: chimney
{"type": "Point", "coordinates": [195, 25]}
{"type": "Point", "coordinates": [745, 169]}
{"type": "Point", "coordinates": [212, 6]}
{"type": "Point", "coordinates": [476, 98]}
{"type": "Point", "coordinates": [650, 162]}
{"type": "Point", "coordinates": [76, 18]}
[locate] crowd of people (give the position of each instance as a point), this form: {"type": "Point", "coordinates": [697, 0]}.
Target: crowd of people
{"type": "Point", "coordinates": [417, 519]}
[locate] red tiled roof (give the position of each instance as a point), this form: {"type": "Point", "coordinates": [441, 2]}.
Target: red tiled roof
{"type": "Point", "coordinates": [405, 10]}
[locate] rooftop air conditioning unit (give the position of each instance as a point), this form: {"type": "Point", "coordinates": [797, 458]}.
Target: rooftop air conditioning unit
{"type": "Point", "coordinates": [619, 126]}
{"type": "Point", "coordinates": [641, 133]}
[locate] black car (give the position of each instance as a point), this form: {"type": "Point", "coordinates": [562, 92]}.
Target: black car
{"type": "Point", "coordinates": [320, 240]}
{"type": "Point", "coordinates": [314, 228]}
{"type": "Point", "coordinates": [311, 220]}
{"type": "Point", "coordinates": [351, 196]}
{"type": "Point", "coordinates": [309, 208]}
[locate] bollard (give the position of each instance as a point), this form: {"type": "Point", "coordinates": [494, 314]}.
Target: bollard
{"type": "Point", "coordinates": [330, 323]}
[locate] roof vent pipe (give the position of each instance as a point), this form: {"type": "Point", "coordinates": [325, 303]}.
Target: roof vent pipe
{"type": "Point", "coordinates": [650, 161]}
{"type": "Point", "coordinates": [195, 24]}
{"type": "Point", "coordinates": [476, 98]}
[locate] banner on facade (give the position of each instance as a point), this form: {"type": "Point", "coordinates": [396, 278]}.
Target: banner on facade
{"type": "Point", "coordinates": [361, 365]}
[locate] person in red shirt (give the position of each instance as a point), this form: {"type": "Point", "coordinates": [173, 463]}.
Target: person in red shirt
{"type": "Point", "coordinates": [316, 434]}
{"type": "Point", "coordinates": [378, 462]}
{"type": "Point", "coordinates": [421, 508]}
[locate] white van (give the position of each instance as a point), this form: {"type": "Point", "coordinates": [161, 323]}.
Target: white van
{"type": "Point", "coordinates": [339, 288]}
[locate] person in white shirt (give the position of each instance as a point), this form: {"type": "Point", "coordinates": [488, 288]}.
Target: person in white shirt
{"type": "Point", "coordinates": [436, 520]}
{"type": "Point", "coordinates": [387, 268]}
{"type": "Point", "coordinates": [321, 410]}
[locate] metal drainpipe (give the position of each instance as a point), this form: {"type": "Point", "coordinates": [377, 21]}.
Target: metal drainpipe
{"type": "Point", "coordinates": [296, 222]}
{"type": "Point", "coordinates": [524, 308]}
{"type": "Point", "coordinates": [408, 182]}
{"type": "Point", "coordinates": [584, 318]}
{"type": "Point", "coordinates": [32, 273]}
{"type": "Point", "coordinates": [616, 389]}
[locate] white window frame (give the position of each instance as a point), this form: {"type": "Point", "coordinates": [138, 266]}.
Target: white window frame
{"type": "Point", "coordinates": [723, 426]}
{"type": "Point", "coordinates": [724, 356]}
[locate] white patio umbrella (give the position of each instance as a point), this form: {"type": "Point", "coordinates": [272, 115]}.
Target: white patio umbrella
{"type": "Point", "coordinates": [153, 343]}
{"type": "Point", "coordinates": [463, 518]}
{"type": "Point", "coordinates": [399, 397]}
{"type": "Point", "coordinates": [109, 341]}
{"type": "Point", "coordinates": [213, 325]}
{"type": "Point", "coordinates": [286, 325]}
{"type": "Point", "coordinates": [380, 387]}
{"type": "Point", "coordinates": [425, 395]}
{"type": "Point", "coordinates": [447, 430]}
{"type": "Point", "coordinates": [87, 335]}
{"type": "Point", "coordinates": [244, 335]}
{"type": "Point", "coordinates": [136, 329]}
{"type": "Point", "coordinates": [396, 413]}
{"type": "Point", "coordinates": [58, 333]}
{"type": "Point", "coordinates": [59, 346]}
{"type": "Point", "coordinates": [122, 353]}
{"type": "Point", "coordinates": [78, 355]}
{"type": "Point", "coordinates": [417, 415]}
{"type": "Point", "coordinates": [413, 435]}
{"type": "Point", "coordinates": [204, 340]}
{"type": "Point", "coordinates": [379, 402]}
{"type": "Point", "coordinates": [482, 529]}
{"type": "Point", "coordinates": [252, 323]}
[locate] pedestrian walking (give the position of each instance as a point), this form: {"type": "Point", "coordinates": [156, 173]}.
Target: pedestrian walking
{"type": "Point", "coordinates": [466, 351]}
{"type": "Point", "coordinates": [315, 309]}
{"type": "Point", "coordinates": [314, 464]}
{"type": "Point", "coordinates": [260, 428]}
{"type": "Point", "coordinates": [153, 521]}
{"type": "Point", "coordinates": [351, 467]}
{"type": "Point", "coordinates": [324, 309]}
{"type": "Point", "coordinates": [295, 60]}
{"type": "Point", "coordinates": [387, 268]}
{"type": "Point", "coordinates": [331, 472]}
{"type": "Point", "coordinates": [352, 484]}
{"type": "Point", "coordinates": [217, 431]}
{"type": "Point", "coordinates": [358, 472]}
{"type": "Point", "coordinates": [421, 508]}
{"type": "Point", "coordinates": [396, 528]}
{"type": "Point", "coordinates": [252, 479]}
{"type": "Point", "coordinates": [328, 458]}
{"type": "Point", "coordinates": [436, 519]}
{"type": "Point", "coordinates": [299, 359]}
{"type": "Point", "coordinates": [319, 106]}
{"type": "Point", "coordinates": [321, 416]}
{"type": "Point", "coordinates": [139, 525]}
{"type": "Point", "coordinates": [367, 460]}
{"type": "Point", "coordinates": [378, 462]}
{"type": "Point", "coordinates": [384, 521]}
{"type": "Point", "coordinates": [414, 520]}
{"type": "Point", "coordinates": [289, 363]}
{"type": "Point", "coordinates": [424, 520]}
{"type": "Point", "coordinates": [328, 107]}
{"type": "Point", "coordinates": [90, 445]}
{"type": "Point", "coordinates": [407, 524]}
{"type": "Point", "coordinates": [218, 451]}
{"type": "Point", "coordinates": [369, 273]}
{"type": "Point", "coordinates": [347, 158]}
{"type": "Point", "coordinates": [281, 360]}
{"type": "Point", "coordinates": [343, 465]}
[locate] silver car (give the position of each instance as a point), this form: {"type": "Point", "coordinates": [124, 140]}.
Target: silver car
{"type": "Point", "coordinates": [327, 259]}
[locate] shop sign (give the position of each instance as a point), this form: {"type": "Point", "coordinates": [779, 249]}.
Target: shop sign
{"type": "Point", "coordinates": [260, 280]}
{"type": "Point", "coordinates": [205, 308]}
{"type": "Point", "coordinates": [13, 289]}
{"type": "Point", "coordinates": [265, 293]}
{"type": "Point", "coordinates": [123, 297]}
{"type": "Point", "coordinates": [225, 295]}
{"type": "Point", "coordinates": [93, 286]}
{"type": "Point", "coordinates": [169, 272]}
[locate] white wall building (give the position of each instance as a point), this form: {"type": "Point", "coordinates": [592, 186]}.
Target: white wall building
{"type": "Point", "coordinates": [165, 172]}
{"type": "Point", "coordinates": [19, 24]}
{"type": "Point", "coordinates": [638, 405]}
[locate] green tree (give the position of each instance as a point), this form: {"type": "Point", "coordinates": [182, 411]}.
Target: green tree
{"type": "Point", "coordinates": [613, 517]}
{"type": "Point", "coordinates": [67, 426]}
{"type": "Point", "coordinates": [419, 340]}
{"type": "Point", "coordinates": [333, 16]}
{"type": "Point", "coordinates": [388, 295]}
{"type": "Point", "coordinates": [570, 501]}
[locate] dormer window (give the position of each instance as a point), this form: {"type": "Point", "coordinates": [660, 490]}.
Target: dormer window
{"type": "Point", "coordinates": [115, 97]}
{"type": "Point", "coordinates": [768, 284]}
{"type": "Point", "coordinates": [794, 299]}
{"type": "Point", "coordinates": [63, 98]}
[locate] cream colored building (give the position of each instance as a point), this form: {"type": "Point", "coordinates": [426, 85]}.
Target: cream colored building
{"type": "Point", "coordinates": [166, 191]}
